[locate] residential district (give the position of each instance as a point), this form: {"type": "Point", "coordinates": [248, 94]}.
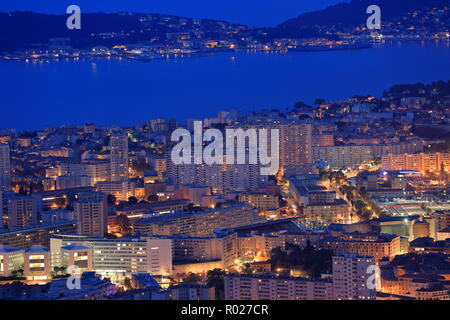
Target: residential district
{"type": "Point", "coordinates": [91, 212]}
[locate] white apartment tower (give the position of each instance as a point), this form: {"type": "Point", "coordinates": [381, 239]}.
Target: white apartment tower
{"type": "Point", "coordinates": [5, 167]}
{"type": "Point", "coordinates": [119, 156]}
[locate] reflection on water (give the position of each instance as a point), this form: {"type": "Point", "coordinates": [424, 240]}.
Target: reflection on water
{"type": "Point", "coordinates": [125, 92]}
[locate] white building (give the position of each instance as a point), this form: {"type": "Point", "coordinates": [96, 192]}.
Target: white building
{"type": "Point", "coordinates": [119, 256]}
{"type": "Point", "coordinates": [11, 259]}
{"type": "Point", "coordinates": [5, 167]}
{"type": "Point", "coordinates": [119, 156]}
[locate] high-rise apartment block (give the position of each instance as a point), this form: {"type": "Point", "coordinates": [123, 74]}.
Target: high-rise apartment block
{"type": "Point", "coordinates": [23, 211]}
{"type": "Point", "coordinates": [119, 156]}
{"type": "Point", "coordinates": [90, 214]}
{"type": "Point", "coordinates": [5, 167]}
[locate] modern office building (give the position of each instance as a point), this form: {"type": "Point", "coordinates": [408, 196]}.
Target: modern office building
{"type": "Point", "coordinates": [124, 256]}
{"type": "Point", "coordinates": [11, 259]}
{"type": "Point", "coordinates": [77, 255]}
{"type": "Point", "coordinates": [37, 263]}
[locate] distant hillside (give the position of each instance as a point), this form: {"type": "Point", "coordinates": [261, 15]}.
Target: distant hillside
{"type": "Point", "coordinates": [22, 29]}
{"type": "Point", "coordinates": [28, 29]}
{"type": "Point", "coordinates": [351, 14]}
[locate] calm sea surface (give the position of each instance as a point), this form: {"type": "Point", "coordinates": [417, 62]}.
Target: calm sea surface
{"type": "Point", "coordinates": [107, 92]}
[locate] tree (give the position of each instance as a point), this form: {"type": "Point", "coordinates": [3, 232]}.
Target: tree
{"type": "Point", "coordinates": [153, 198]}
{"type": "Point", "coordinates": [319, 101]}
{"type": "Point", "coordinates": [127, 283]}
{"type": "Point", "coordinates": [301, 104]}
{"type": "Point", "coordinates": [247, 268]}
{"type": "Point", "coordinates": [132, 200]}
{"type": "Point", "coordinates": [122, 204]}
{"type": "Point", "coordinates": [111, 199]}
{"type": "Point", "coordinates": [124, 223]}
{"type": "Point", "coordinates": [193, 277]}
{"type": "Point", "coordinates": [313, 262]}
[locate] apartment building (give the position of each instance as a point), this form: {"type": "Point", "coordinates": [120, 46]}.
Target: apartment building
{"type": "Point", "coordinates": [270, 287]}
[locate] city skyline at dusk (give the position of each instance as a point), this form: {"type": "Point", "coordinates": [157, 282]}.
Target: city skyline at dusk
{"type": "Point", "coordinates": [216, 164]}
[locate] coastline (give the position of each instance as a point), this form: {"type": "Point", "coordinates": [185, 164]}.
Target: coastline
{"type": "Point", "coordinates": [83, 55]}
